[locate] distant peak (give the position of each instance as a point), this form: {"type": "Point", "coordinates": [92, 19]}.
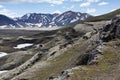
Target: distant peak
{"type": "Point", "coordinates": [56, 14]}
{"type": "Point", "coordinates": [70, 12]}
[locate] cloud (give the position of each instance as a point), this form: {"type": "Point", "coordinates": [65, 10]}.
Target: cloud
{"type": "Point", "coordinates": [71, 7]}
{"type": "Point", "coordinates": [113, 10]}
{"type": "Point", "coordinates": [35, 1]}
{"type": "Point", "coordinates": [86, 4]}
{"type": "Point", "coordinates": [93, 1]}
{"type": "Point", "coordinates": [1, 6]}
{"type": "Point", "coordinates": [92, 10]}
{"type": "Point", "coordinates": [76, 0]}
{"type": "Point", "coordinates": [57, 11]}
{"type": "Point", "coordinates": [103, 3]}
{"type": "Point", "coordinates": [7, 12]}
{"type": "Point", "coordinates": [52, 5]}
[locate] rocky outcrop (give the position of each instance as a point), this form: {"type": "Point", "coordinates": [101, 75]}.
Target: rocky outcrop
{"type": "Point", "coordinates": [87, 35]}
{"type": "Point", "coordinates": [12, 73]}
{"type": "Point", "coordinates": [12, 60]}
{"type": "Point", "coordinates": [111, 31]}
{"type": "Point", "coordinates": [64, 75]}
{"type": "Point", "coordinates": [94, 51]}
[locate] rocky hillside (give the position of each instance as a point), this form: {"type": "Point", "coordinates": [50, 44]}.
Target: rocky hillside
{"type": "Point", "coordinates": [87, 51]}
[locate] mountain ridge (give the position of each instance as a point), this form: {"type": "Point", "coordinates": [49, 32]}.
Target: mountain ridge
{"type": "Point", "coordinates": [47, 20]}
{"type": "Point", "coordinates": [53, 19]}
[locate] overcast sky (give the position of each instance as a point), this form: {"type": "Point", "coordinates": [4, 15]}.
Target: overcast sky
{"type": "Point", "coordinates": [17, 8]}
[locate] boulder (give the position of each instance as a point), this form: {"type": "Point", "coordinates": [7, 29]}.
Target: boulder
{"type": "Point", "coordinates": [87, 35]}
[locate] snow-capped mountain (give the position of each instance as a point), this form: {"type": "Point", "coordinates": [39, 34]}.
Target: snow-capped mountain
{"type": "Point", "coordinates": [34, 19]}
{"type": "Point", "coordinates": [70, 17]}
{"type": "Point", "coordinates": [51, 20]}
{"type": "Point", "coordinates": [6, 22]}
{"type": "Point", "coordinates": [45, 20]}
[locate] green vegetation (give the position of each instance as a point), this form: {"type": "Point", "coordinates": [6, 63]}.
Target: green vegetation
{"type": "Point", "coordinates": [6, 49]}
{"type": "Point", "coordinates": [61, 62]}
{"type": "Point", "coordinates": [109, 65]}
{"type": "Point", "coordinates": [107, 16]}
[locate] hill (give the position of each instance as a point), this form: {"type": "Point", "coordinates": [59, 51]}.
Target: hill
{"type": "Point", "coordinates": [107, 16]}
{"type": "Point", "coordinates": [81, 52]}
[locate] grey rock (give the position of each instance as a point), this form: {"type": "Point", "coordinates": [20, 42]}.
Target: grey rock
{"type": "Point", "coordinates": [112, 30]}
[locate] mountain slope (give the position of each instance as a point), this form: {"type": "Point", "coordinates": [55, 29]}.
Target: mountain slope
{"type": "Point", "coordinates": [70, 17]}
{"type": "Point", "coordinates": [6, 21]}
{"type": "Point", "coordinates": [51, 20]}
{"type": "Point", "coordinates": [107, 16]}
{"type": "Point", "coordinates": [34, 18]}
{"type": "Point", "coordinates": [43, 20]}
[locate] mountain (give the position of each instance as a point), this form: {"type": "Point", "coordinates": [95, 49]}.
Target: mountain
{"type": "Point", "coordinates": [43, 20]}
{"type": "Point", "coordinates": [50, 20]}
{"type": "Point", "coordinates": [7, 22]}
{"type": "Point", "coordinates": [70, 17]}
{"type": "Point", "coordinates": [36, 19]}
{"type": "Point", "coordinates": [107, 16]}
{"type": "Point", "coordinates": [53, 20]}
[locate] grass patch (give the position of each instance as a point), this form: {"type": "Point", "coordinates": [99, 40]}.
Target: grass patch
{"type": "Point", "coordinates": [105, 67]}
{"type": "Point", "coordinates": [6, 49]}
{"type": "Point", "coordinates": [60, 63]}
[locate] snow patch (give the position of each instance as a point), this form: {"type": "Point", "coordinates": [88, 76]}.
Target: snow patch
{"type": "Point", "coordinates": [19, 25]}
{"type": "Point", "coordinates": [12, 26]}
{"type": "Point", "coordinates": [38, 24]}
{"type": "Point", "coordinates": [20, 46]}
{"type": "Point", "coordinates": [82, 18]}
{"type": "Point", "coordinates": [3, 71]}
{"type": "Point", "coordinates": [61, 18]}
{"type": "Point", "coordinates": [34, 24]}
{"type": "Point", "coordinates": [3, 54]}
{"type": "Point", "coordinates": [50, 26]}
{"type": "Point", "coordinates": [28, 15]}
{"type": "Point", "coordinates": [86, 16]}
{"type": "Point", "coordinates": [79, 14]}
{"type": "Point", "coordinates": [4, 26]}
{"type": "Point", "coordinates": [74, 20]}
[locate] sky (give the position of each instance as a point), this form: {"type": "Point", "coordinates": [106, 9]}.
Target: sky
{"type": "Point", "coordinates": [18, 8]}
